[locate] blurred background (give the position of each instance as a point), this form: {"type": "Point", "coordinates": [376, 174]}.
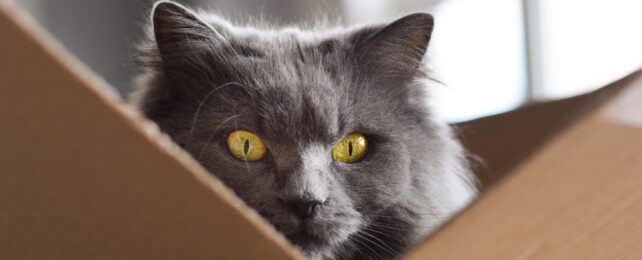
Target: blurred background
{"type": "Point", "coordinates": [491, 55]}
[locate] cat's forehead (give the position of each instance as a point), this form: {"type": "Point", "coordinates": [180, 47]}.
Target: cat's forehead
{"type": "Point", "coordinates": [286, 47]}
{"type": "Point", "coordinates": [307, 85]}
{"type": "Point", "coordinates": [302, 94]}
{"type": "Point", "coordinates": [298, 109]}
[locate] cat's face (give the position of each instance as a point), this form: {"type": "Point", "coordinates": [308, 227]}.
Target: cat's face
{"type": "Point", "coordinates": [301, 95]}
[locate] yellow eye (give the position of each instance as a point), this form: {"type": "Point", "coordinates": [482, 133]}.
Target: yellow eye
{"type": "Point", "coordinates": [245, 146]}
{"type": "Point", "coordinates": [351, 148]}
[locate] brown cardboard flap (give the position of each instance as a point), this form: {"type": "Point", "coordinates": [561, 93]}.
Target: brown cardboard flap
{"type": "Point", "coordinates": [578, 198]}
{"type": "Point", "coordinates": [504, 141]}
{"type": "Point", "coordinates": [83, 178]}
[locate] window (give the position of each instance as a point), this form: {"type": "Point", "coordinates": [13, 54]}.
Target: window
{"type": "Point", "coordinates": [585, 44]}
{"type": "Point", "coordinates": [477, 51]}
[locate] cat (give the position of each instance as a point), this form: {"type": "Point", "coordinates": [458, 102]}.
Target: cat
{"type": "Point", "coordinates": [325, 133]}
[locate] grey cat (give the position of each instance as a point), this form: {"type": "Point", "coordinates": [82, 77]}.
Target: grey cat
{"type": "Point", "coordinates": [300, 93]}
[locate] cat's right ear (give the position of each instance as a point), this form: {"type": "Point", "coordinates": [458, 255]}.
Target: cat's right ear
{"type": "Point", "coordinates": [394, 52]}
{"type": "Point", "coordinates": [178, 30]}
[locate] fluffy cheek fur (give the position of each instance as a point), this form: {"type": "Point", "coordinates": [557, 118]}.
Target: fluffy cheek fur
{"type": "Point", "coordinates": [376, 182]}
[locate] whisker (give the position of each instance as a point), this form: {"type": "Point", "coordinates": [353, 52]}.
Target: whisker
{"type": "Point", "coordinates": [202, 102]}
{"type": "Point", "coordinates": [356, 239]}
{"type": "Point", "coordinates": [383, 245]}
{"type": "Point", "coordinates": [389, 227]}
{"type": "Point", "coordinates": [396, 239]}
{"type": "Point", "coordinates": [432, 215]}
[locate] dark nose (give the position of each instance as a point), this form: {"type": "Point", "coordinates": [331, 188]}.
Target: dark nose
{"type": "Point", "coordinates": [304, 208]}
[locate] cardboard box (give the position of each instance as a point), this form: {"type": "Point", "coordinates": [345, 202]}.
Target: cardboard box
{"type": "Point", "coordinates": [577, 196]}
{"type": "Point", "coordinates": [84, 177]}
{"type": "Point", "coordinates": [573, 182]}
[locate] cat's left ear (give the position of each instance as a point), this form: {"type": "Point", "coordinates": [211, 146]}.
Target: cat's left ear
{"type": "Point", "coordinates": [395, 51]}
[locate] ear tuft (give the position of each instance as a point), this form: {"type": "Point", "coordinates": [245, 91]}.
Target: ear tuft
{"type": "Point", "coordinates": [414, 29]}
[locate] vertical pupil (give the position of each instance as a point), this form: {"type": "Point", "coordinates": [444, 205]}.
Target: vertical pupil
{"type": "Point", "coordinates": [246, 146]}
{"type": "Point", "coordinates": [350, 149]}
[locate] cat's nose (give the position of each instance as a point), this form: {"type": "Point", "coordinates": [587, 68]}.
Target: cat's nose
{"type": "Point", "coordinates": [304, 208]}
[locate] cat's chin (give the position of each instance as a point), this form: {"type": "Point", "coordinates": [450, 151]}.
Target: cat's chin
{"type": "Point", "coordinates": [312, 236]}
{"type": "Point", "coordinates": [305, 240]}
{"type": "Point", "coordinates": [320, 240]}
{"type": "Point", "coordinates": [313, 246]}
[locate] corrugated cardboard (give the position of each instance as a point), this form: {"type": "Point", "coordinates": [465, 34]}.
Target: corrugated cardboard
{"type": "Point", "coordinates": [505, 140]}
{"type": "Point", "coordinates": [578, 197]}
{"type": "Point", "coordinates": [83, 177]}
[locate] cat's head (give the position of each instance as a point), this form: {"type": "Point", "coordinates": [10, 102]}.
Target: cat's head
{"type": "Point", "coordinates": [299, 94]}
